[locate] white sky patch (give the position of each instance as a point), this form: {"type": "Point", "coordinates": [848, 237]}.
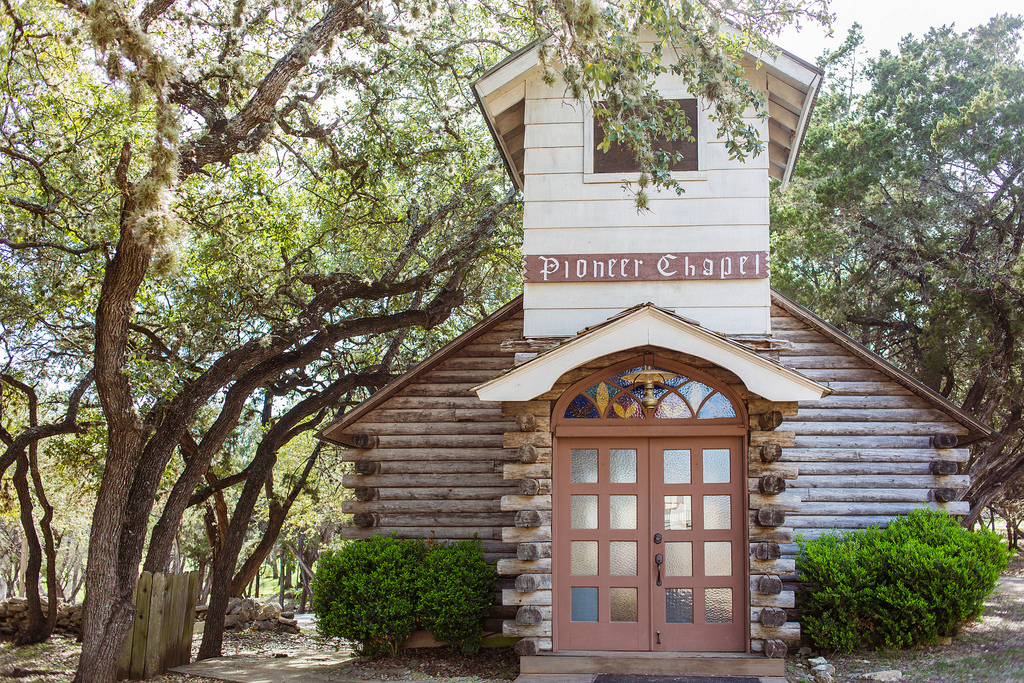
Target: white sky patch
{"type": "Point", "coordinates": [886, 21]}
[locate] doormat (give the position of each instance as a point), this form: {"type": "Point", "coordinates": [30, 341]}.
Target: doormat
{"type": "Point", "coordinates": [644, 678]}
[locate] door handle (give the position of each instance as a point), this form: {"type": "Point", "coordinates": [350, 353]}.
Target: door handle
{"type": "Point", "coordinates": [658, 559]}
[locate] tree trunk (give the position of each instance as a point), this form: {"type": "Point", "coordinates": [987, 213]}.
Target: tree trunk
{"type": "Point", "coordinates": [213, 631]}
{"type": "Point", "coordinates": [277, 514]}
{"type": "Point", "coordinates": [110, 575]}
{"type": "Point", "coordinates": [280, 580]}
{"type": "Point", "coordinates": [34, 630]}
{"type": "Point", "coordinates": [53, 589]}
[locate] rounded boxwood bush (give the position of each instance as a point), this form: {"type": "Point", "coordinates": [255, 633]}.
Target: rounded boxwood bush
{"type": "Point", "coordinates": [455, 592]}
{"type": "Point", "coordinates": [374, 593]}
{"type": "Point", "coordinates": [918, 579]}
{"type": "Point", "coordinates": [367, 593]}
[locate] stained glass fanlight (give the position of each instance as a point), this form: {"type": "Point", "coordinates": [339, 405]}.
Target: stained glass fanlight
{"type": "Point", "coordinates": [668, 395]}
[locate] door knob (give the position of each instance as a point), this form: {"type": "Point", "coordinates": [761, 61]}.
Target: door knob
{"type": "Point", "coordinates": [657, 539]}
{"type": "Point", "coordinates": [658, 559]}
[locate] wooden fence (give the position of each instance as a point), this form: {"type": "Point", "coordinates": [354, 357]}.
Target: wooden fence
{"type": "Point", "coordinates": [165, 614]}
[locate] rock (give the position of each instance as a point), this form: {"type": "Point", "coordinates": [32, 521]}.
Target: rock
{"type": "Point", "coordinates": [270, 611]}
{"type": "Point", "coordinates": [805, 652]}
{"type": "Point", "coordinates": [265, 625]}
{"type": "Point", "coordinates": [887, 675]}
{"type": "Point", "coordinates": [230, 620]}
{"type": "Point", "coordinates": [287, 615]}
{"type": "Point", "coordinates": [827, 668]}
{"type": "Point", "coordinates": [817, 661]}
{"type": "Point", "coordinates": [823, 677]}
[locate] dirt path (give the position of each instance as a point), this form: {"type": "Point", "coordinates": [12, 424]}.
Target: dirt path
{"type": "Point", "coordinates": [990, 651]}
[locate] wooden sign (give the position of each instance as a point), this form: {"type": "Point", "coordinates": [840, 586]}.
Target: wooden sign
{"type": "Point", "coordinates": [673, 266]}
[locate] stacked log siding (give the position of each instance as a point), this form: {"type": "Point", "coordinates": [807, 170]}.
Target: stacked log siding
{"type": "Point", "coordinates": [437, 462]}
{"type": "Point", "coordinates": [436, 466]}
{"type": "Point", "coordinates": [865, 453]}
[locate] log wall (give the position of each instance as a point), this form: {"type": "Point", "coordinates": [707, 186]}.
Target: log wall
{"type": "Point", "coordinates": [437, 455]}
{"type": "Point", "coordinates": [865, 453]}
{"type": "Point", "coordinates": [441, 463]}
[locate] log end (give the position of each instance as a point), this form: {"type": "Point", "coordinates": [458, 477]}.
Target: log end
{"type": "Point", "coordinates": [770, 517]}
{"type": "Point", "coordinates": [775, 649]}
{"type": "Point", "coordinates": [364, 519]}
{"type": "Point", "coordinates": [365, 493]}
{"type": "Point", "coordinates": [770, 421]}
{"type": "Point", "coordinates": [945, 441]}
{"type": "Point", "coordinates": [771, 452]}
{"type": "Point", "coordinates": [771, 484]}
{"type": "Point", "coordinates": [527, 647]}
{"type": "Point", "coordinates": [365, 440]}
{"type": "Point", "coordinates": [527, 454]}
{"type": "Point", "coordinates": [945, 467]}
{"type": "Point", "coordinates": [526, 422]}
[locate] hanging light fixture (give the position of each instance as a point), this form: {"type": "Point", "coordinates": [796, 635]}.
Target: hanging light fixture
{"type": "Point", "coordinates": [648, 376]}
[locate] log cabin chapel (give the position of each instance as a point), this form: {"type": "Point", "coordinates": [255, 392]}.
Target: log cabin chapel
{"type": "Point", "coordinates": [649, 408]}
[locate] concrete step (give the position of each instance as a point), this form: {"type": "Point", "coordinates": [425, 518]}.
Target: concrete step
{"type": "Point", "coordinates": [653, 663]}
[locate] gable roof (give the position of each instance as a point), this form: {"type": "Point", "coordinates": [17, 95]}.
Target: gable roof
{"type": "Point", "coordinates": [792, 86]}
{"type": "Point", "coordinates": [334, 431]}
{"type": "Point", "coordinates": [650, 325]}
{"type": "Point", "coordinates": [977, 429]}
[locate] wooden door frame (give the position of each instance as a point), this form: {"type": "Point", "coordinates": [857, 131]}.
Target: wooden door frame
{"type": "Point", "coordinates": [564, 429]}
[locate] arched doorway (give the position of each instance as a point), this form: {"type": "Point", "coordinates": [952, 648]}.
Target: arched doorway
{"type": "Point", "coordinates": [650, 514]}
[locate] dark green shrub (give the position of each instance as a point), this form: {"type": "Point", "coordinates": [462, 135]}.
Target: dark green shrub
{"type": "Point", "coordinates": [376, 592]}
{"type": "Point", "coordinates": [918, 579]}
{"type": "Point", "coordinates": [455, 590]}
{"type": "Point", "coordinates": [367, 593]}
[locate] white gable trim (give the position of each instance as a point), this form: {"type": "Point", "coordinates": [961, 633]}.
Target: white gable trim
{"type": "Point", "coordinates": [651, 327]}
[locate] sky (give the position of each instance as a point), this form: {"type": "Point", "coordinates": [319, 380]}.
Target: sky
{"type": "Point", "coordinates": [886, 21]}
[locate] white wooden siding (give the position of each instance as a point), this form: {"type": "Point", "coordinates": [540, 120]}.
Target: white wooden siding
{"type": "Point", "coordinates": [622, 295]}
{"type": "Point", "coordinates": [614, 240]}
{"type": "Point", "coordinates": [559, 322]}
{"type": "Point", "coordinates": [569, 210]}
{"type": "Point", "coordinates": [742, 183]}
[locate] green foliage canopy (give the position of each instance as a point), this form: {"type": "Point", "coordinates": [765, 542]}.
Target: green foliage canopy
{"type": "Point", "coordinates": [905, 223]}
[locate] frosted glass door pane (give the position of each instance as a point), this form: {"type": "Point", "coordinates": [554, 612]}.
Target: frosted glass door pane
{"type": "Point", "coordinates": [584, 466]}
{"type": "Point", "coordinates": [584, 603]}
{"type": "Point", "coordinates": [718, 606]}
{"type": "Point", "coordinates": [583, 512]}
{"type": "Point", "coordinates": [716, 512]}
{"type": "Point", "coordinates": [583, 558]}
{"type": "Point", "coordinates": [623, 558]}
{"type": "Point", "coordinates": [718, 558]}
{"type": "Point", "coordinates": [623, 512]}
{"type": "Point", "coordinates": [679, 605]}
{"type": "Point", "coordinates": [623, 604]}
{"type": "Point", "coordinates": [716, 465]}
{"type": "Point", "coordinates": [678, 515]}
{"type": "Point", "coordinates": [623, 466]}
{"type": "Point", "coordinates": [677, 467]}
{"type": "Point", "coordinates": [678, 559]}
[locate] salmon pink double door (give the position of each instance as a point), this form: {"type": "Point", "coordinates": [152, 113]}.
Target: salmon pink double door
{"type": "Point", "coordinates": [650, 544]}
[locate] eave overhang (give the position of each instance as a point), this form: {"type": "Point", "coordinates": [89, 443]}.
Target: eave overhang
{"type": "Point", "coordinates": [649, 325]}
{"type": "Point", "coordinates": [791, 84]}
{"type": "Point", "coordinates": [976, 428]}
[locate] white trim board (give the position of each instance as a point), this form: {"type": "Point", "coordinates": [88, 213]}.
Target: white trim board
{"type": "Point", "coordinates": [650, 326]}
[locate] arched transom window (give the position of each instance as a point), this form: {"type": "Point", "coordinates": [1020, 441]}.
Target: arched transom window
{"type": "Point", "coordinates": [679, 397]}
